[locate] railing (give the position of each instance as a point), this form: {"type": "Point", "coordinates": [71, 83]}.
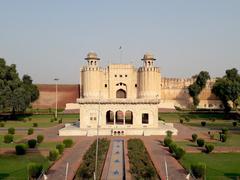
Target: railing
{"type": "Point", "coordinates": [118, 101]}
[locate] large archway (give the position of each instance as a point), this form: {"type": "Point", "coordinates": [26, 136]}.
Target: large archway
{"type": "Point", "coordinates": [121, 93]}
{"type": "Point", "coordinates": [109, 117]}
{"type": "Point", "coordinates": [119, 117]}
{"type": "Point", "coordinates": [128, 117]}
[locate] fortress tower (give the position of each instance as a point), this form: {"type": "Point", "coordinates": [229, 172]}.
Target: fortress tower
{"type": "Point", "coordinates": [148, 78]}
{"type": "Point", "coordinates": [91, 77]}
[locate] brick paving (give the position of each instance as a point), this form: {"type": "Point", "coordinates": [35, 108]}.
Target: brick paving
{"type": "Point", "coordinates": [158, 155]}
{"type": "Point", "coordinates": [73, 156]}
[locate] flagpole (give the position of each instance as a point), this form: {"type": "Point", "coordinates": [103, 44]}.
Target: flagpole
{"type": "Point", "coordinates": [120, 55]}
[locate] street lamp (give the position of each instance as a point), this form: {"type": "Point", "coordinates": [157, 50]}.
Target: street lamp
{"type": "Point", "coordinates": [56, 87]}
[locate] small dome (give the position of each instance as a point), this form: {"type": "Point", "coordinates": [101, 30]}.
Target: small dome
{"type": "Point", "coordinates": [92, 55]}
{"type": "Point", "coordinates": [148, 56]}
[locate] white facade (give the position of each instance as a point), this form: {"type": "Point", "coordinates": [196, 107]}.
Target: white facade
{"type": "Point", "coordinates": [120, 98]}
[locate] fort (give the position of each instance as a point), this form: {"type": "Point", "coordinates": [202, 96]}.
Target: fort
{"type": "Point", "coordinates": [121, 99]}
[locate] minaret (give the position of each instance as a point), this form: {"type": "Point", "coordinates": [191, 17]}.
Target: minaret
{"type": "Point", "coordinates": [149, 78]}
{"type": "Point", "coordinates": [91, 77]}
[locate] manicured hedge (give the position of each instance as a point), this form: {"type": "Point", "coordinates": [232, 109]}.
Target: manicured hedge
{"type": "Point", "coordinates": [68, 143]}
{"type": "Point", "coordinates": [194, 137]}
{"type": "Point", "coordinates": [198, 170]}
{"type": "Point", "coordinates": [167, 141]}
{"type": "Point", "coordinates": [30, 131]}
{"type": "Point", "coordinates": [87, 167]}
{"type": "Point", "coordinates": [21, 149]}
{"type": "Point", "coordinates": [53, 155]}
{"type": "Point", "coordinates": [200, 142]}
{"type": "Point", "coordinates": [60, 147]}
{"type": "Point", "coordinates": [140, 165]}
{"type": "Point", "coordinates": [11, 130]}
{"type": "Point", "coordinates": [8, 138]}
{"type": "Point", "coordinates": [32, 143]}
{"type": "Point", "coordinates": [34, 170]}
{"type": "Point", "coordinates": [40, 138]}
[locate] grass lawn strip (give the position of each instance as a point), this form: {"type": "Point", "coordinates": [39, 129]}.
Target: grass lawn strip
{"type": "Point", "coordinates": [219, 165]}
{"type": "Point", "coordinates": [15, 167]}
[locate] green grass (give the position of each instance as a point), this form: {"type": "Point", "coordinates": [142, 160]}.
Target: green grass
{"type": "Point", "coordinates": [175, 116]}
{"type": "Point", "coordinates": [43, 120]}
{"type": "Point", "coordinates": [15, 139]}
{"type": "Point", "coordinates": [232, 141]}
{"type": "Point", "coordinates": [15, 167]}
{"type": "Point", "coordinates": [220, 166]}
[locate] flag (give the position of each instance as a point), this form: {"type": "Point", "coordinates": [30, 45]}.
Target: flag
{"type": "Point", "coordinates": [120, 47]}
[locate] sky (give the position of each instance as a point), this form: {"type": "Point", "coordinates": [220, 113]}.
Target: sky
{"type": "Point", "coordinates": [49, 39]}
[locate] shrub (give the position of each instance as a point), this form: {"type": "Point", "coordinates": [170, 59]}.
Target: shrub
{"type": "Point", "coordinates": [203, 123]}
{"type": "Point", "coordinates": [177, 108]}
{"type": "Point", "coordinates": [60, 121]}
{"type": "Point", "coordinates": [167, 141]}
{"type": "Point", "coordinates": [68, 143]}
{"type": "Point", "coordinates": [200, 142]}
{"type": "Point", "coordinates": [172, 147]}
{"type": "Point", "coordinates": [181, 121]}
{"type": "Point", "coordinates": [8, 138]}
{"type": "Point", "coordinates": [2, 124]}
{"type": "Point", "coordinates": [30, 131]}
{"type": "Point", "coordinates": [179, 152]}
{"type": "Point", "coordinates": [234, 123]}
{"type": "Point", "coordinates": [169, 134]}
{"type": "Point", "coordinates": [34, 170]}
{"type": "Point", "coordinates": [225, 131]}
{"type": "Point", "coordinates": [60, 148]}
{"type": "Point", "coordinates": [40, 138]}
{"type": "Point", "coordinates": [211, 136]}
{"type": "Point", "coordinates": [32, 143]}
{"type": "Point", "coordinates": [51, 120]}
{"type": "Point", "coordinates": [35, 124]}
{"type": "Point", "coordinates": [223, 137]}
{"type": "Point", "coordinates": [198, 170]}
{"type": "Point", "coordinates": [53, 155]}
{"type": "Point", "coordinates": [209, 148]}
{"type": "Point", "coordinates": [11, 130]}
{"type": "Point", "coordinates": [194, 137]}
{"type": "Point", "coordinates": [187, 119]}
{"type": "Point", "coordinates": [21, 149]}
{"type": "Point", "coordinates": [29, 119]}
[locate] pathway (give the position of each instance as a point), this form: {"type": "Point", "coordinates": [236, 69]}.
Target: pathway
{"type": "Point", "coordinates": [73, 156]}
{"type": "Point", "coordinates": [158, 155]}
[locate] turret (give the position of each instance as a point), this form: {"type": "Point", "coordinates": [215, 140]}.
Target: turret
{"type": "Point", "coordinates": [149, 78]}
{"type": "Point", "coordinates": [91, 77]}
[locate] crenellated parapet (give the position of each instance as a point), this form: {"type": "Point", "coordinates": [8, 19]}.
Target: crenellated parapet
{"type": "Point", "coordinates": [181, 82]}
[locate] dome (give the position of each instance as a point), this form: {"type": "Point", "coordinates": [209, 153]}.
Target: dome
{"type": "Point", "coordinates": [148, 56]}
{"type": "Point", "coordinates": [92, 55]}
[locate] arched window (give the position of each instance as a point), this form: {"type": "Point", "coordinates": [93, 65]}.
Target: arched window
{"type": "Point", "coordinates": [128, 117]}
{"type": "Point", "coordinates": [109, 117]}
{"type": "Point", "coordinates": [121, 94]}
{"type": "Point", "coordinates": [119, 117]}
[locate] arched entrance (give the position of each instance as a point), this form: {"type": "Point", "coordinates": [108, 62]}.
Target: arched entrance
{"type": "Point", "coordinates": [119, 117]}
{"type": "Point", "coordinates": [121, 93]}
{"type": "Point", "coordinates": [109, 117]}
{"type": "Point", "coordinates": [128, 117]}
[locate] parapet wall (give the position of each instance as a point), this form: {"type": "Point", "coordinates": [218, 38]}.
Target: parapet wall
{"type": "Point", "coordinates": [174, 92]}
{"type": "Point", "coordinates": [67, 93]}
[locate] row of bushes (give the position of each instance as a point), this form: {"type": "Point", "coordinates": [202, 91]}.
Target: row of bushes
{"type": "Point", "coordinates": [21, 149]}
{"type": "Point", "coordinates": [87, 167]}
{"type": "Point", "coordinates": [8, 138]}
{"type": "Point", "coordinates": [140, 165]}
{"type": "Point", "coordinates": [176, 151]}
{"type": "Point", "coordinates": [200, 142]}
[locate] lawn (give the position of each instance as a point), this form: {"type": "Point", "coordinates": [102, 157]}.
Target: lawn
{"type": "Point", "coordinates": [175, 116]}
{"type": "Point", "coordinates": [15, 167]}
{"type": "Point", "coordinates": [220, 166]}
{"type": "Point", "coordinates": [232, 141]}
{"type": "Point", "coordinates": [49, 145]}
{"type": "Point", "coordinates": [43, 120]}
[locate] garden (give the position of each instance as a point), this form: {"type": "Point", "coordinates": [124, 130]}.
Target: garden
{"type": "Point", "coordinates": [141, 166]}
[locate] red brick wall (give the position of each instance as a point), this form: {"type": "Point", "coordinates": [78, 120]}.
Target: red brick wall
{"type": "Point", "coordinates": [47, 99]}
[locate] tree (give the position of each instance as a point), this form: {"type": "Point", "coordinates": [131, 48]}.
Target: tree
{"type": "Point", "coordinates": [15, 94]}
{"type": "Point", "coordinates": [196, 88]}
{"type": "Point", "coordinates": [227, 89]}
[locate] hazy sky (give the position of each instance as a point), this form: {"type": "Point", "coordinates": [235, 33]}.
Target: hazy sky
{"type": "Point", "coordinates": [50, 38]}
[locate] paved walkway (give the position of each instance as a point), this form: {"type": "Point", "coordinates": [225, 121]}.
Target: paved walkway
{"type": "Point", "coordinates": [73, 156]}
{"type": "Point", "coordinates": [158, 155]}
